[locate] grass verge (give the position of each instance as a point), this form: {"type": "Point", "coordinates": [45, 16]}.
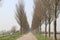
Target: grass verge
{"type": "Point", "coordinates": [41, 37]}
{"type": "Point", "coordinates": [10, 37]}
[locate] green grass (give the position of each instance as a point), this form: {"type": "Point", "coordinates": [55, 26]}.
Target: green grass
{"type": "Point", "coordinates": [41, 37]}
{"type": "Point", "coordinates": [10, 37]}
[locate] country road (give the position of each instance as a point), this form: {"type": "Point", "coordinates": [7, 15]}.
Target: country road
{"type": "Point", "coordinates": [28, 36]}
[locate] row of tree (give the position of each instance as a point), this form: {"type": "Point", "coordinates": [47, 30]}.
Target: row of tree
{"type": "Point", "coordinates": [21, 17]}
{"type": "Point", "coordinates": [45, 11]}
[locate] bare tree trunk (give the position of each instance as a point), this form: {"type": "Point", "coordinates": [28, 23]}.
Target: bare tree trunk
{"type": "Point", "coordinates": [49, 27]}
{"type": "Point", "coordinates": [40, 27]}
{"type": "Point", "coordinates": [55, 37]}
{"type": "Point", "coordinates": [21, 30]}
{"type": "Point", "coordinates": [56, 2]}
{"type": "Point", "coordinates": [45, 28]}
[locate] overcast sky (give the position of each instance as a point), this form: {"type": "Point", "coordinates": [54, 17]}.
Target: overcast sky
{"type": "Point", "coordinates": [7, 14]}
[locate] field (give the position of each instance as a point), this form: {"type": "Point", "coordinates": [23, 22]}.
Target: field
{"type": "Point", "coordinates": [10, 37]}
